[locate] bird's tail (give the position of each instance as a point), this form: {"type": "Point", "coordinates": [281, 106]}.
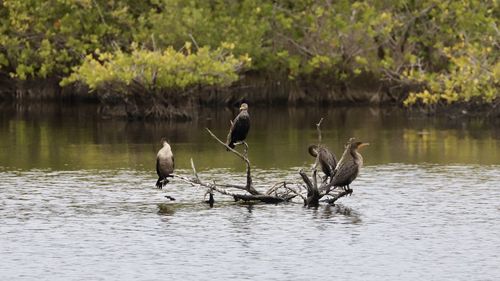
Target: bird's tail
{"type": "Point", "coordinates": [231, 145]}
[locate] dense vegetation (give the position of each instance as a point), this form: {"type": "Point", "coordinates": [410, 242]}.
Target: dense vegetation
{"type": "Point", "coordinates": [435, 51]}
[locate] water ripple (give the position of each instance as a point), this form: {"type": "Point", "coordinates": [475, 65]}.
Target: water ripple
{"type": "Point", "coordinates": [412, 222]}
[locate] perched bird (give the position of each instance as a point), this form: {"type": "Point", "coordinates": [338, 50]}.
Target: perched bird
{"type": "Point", "coordinates": [327, 159]}
{"type": "Point", "coordinates": [349, 165]}
{"type": "Point", "coordinates": [239, 127]}
{"type": "Point", "coordinates": [164, 164]}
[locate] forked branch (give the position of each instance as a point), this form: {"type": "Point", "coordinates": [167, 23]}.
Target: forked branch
{"type": "Point", "coordinates": [249, 186]}
{"type": "Point", "coordinates": [315, 192]}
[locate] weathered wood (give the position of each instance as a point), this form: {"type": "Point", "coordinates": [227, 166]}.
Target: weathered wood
{"type": "Point", "coordinates": [313, 195]}
{"type": "Point", "coordinates": [249, 185]}
{"type": "Point", "coordinates": [254, 194]}
{"type": "Point", "coordinates": [277, 193]}
{"type": "Point", "coordinates": [315, 192]}
{"type": "Point", "coordinates": [338, 196]}
{"type": "Point", "coordinates": [262, 198]}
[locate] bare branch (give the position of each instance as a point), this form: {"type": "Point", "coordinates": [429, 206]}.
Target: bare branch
{"type": "Point", "coordinates": [338, 196]}
{"type": "Point", "coordinates": [249, 186]}
{"type": "Point", "coordinates": [294, 191]}
{"type": "Point", "coordinates": [194, 171]}
{"type": "Point", "coordinates": [307, 181]}
{"type": "Point", "coordinates": [194, 41]}
{"type": "Point", "coordinates": [318, 127]}
{"type": "Point", "coordinates": [228, 185]}
{"type": "Point", "coordinates": [208, 186]}
{"type": "Point", "coordinates": [262, 198]}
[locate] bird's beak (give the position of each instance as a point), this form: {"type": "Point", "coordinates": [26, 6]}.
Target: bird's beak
{"type": "Point", "coordinates": [364, 144]}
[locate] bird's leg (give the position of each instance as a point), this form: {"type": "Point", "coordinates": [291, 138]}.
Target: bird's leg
{"type": "Point", "coordinates": [349, 190]}
{"type": "Point", "coordinates": [246, 148]}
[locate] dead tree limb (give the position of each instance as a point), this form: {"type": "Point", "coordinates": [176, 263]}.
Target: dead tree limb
{"type": "Point", "coordinates": [249, 186]}
{"type": "Point", "coordinates": [254, 195]}
{"type": "Point", "coordinates": [318, 127]}
{"type": "Point", "coordinates": [313, 195]}
{"type": "Point", "coordinates": [338, 196]}
{"type": "Point", "coordinates": [194, 171]}
{"type": "Point", "coordinates": [315, 192]}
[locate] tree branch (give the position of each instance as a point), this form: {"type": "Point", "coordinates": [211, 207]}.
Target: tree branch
{"type": "Point", "coordinates": [338, 196]}
{"type": "Point", "coordinates": [249, 186]}
{"type": "Point", "coordinates": [318, 127]}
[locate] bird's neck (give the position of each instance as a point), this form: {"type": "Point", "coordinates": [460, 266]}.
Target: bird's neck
{"type": "Point", "coordinates": [166, 148]}
{"type": "Point", "coordinates": [358, 159]}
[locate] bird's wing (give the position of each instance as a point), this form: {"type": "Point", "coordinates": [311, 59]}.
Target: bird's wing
{"type": "Point", "coordinates": [241, 125]}
{"type": "Point", "coordinates": [157, 165]}
{"type": "Point", "coordinates": [173, 163]}
{"type": "Point", "coordinates": [245, 121]}
{"type": "Point", "coordinates": [346, 172]}
{"type": "Point", "coordinates": [230, 133]}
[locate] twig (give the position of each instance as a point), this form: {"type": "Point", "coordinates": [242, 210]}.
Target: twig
{"type": "Point", "coordinates": [208, 186]}
{"type": "Point", "coordinates": [227, 146]}
{"type": "Point", "coordinates": [194, 41]}
{"type": "Point", "coordinates": [294, 191]}
{"type": "Point", "coordinates": [318, 127]}
{"type": "Point", "coordinates": [194, 171]}
{"type": "Point", "coordinates": [338, 196]}
{"type": "Point", "coordinates": [274, 187]}
{"type": "Point", "coordinates": [233, 186]}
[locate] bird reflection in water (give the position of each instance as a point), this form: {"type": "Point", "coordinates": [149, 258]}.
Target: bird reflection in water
{"type": "Point", "coordinates": [166, 209]}
{"type": "Point", "coordinates": [332, 211]}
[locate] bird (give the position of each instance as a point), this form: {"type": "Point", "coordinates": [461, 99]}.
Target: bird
{"type": "Point", "coordinates": [164, 164]}
{"type": "Point", "coordinates": [326, 158]}
{"type": "Point", "coordinates": [239, 127]}
{"type": "Point", "coordinates": [349, 165]}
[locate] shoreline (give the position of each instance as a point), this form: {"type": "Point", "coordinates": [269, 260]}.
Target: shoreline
{"type": "Point", "coordinates": [257, 90]}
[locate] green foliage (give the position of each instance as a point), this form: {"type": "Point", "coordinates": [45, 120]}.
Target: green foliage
{"type": "Point", "coordinates": [159, 71]}
{"type": "Point", "coordinates": [474, 72]}
{"type": "Point", "coordinates": [449, 49]}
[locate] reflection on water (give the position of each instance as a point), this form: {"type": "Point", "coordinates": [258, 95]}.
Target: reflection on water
{"type": "Point", "coordinates": [74, 138]}
{"type": "Point", "coordinates": [403, 222]}
{"type": "Point", "coordinates": [77, 199]}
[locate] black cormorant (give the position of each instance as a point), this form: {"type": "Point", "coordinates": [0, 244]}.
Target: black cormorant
{"type": "Point", "coordinates": [239, 127]}
{"type": "Point", "coordinates": [326, 159]}
{"type": "Point", "coordinates": [349, 165]}
{"type": "Point", "coordinates": [164, 164]}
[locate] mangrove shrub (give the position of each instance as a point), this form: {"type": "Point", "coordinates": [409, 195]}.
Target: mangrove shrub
{"type": "Point", "coordinates": [434, 51]}
{"type": "Point", "coordinates": [159, 71]}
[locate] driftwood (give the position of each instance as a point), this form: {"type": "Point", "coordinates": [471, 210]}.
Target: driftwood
{"type": "Point", "coordinates": [277, 193]}
{"type": "Point", "coordinates": [315, 192]}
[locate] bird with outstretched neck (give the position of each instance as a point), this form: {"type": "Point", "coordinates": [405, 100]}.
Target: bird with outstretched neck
{"type": "Point", "coordinates": [326, 159]}
{"type": "Point", "coordinates": [164, 164]}
{"type": "Point", "coordinates": [349, 165]}
{"type": "Point", "coordinates": [239, 127]}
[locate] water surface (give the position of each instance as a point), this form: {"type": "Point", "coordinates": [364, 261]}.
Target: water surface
{"type": "Point", "coordinates": [77, 200]}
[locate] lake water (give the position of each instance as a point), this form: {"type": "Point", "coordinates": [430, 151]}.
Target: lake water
{"type": "Point", "coordinates": [77, 199]}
